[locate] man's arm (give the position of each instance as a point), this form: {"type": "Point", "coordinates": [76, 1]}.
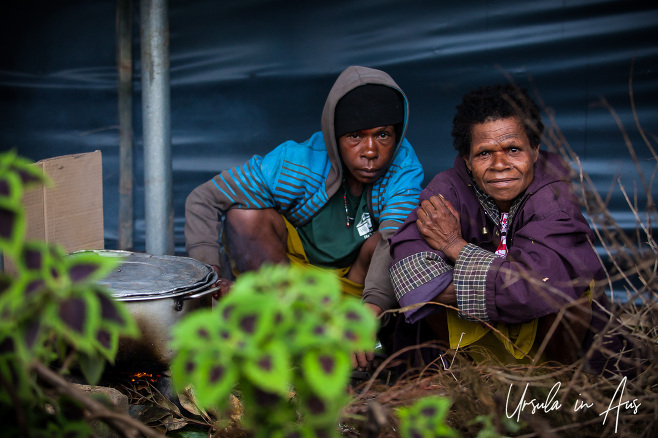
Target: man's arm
{"type": "Point", "coordinates": [378, 290]}
{"type": "Point", "coordinates": [204, 209]}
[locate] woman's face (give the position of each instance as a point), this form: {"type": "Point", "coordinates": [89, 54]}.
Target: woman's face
{"type": "Point", "coordinates": [501, 159]}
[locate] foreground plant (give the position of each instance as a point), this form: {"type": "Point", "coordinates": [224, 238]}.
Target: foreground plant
{"type": "Point", "coordinates": [51, 311]}
{"type": "Point", "coordinates": [426, 418]}
{"type": "Point", "coordinates": [282, 339]}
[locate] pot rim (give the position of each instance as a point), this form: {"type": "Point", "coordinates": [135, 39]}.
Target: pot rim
{"type": "Point", "coordinates": [153, 271]}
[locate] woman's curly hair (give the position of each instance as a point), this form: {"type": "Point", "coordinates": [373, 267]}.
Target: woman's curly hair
{"type": "Point", "coordinates": [492, 103]}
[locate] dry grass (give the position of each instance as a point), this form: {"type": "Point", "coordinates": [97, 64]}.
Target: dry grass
{"type": "Point", "coordinates": [566, 400]}
{"type": "Point", "coordinates": [631, 257]}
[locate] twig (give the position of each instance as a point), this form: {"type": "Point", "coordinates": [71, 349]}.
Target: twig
{"type": "Point", "coordinates": [20, 415]}
{"type": "Point", "coordinates": [117, 420]}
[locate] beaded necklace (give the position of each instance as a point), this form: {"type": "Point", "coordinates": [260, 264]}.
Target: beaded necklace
{"type": "Point", "coordinates": [347, 214]}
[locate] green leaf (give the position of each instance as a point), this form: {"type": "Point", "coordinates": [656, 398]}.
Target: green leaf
{"type": "Point", "coordinates": [426, 417]}
{"type": "Point", "coordinates": [115, 318]}
{"type": "Point", "coordinates": [44, 261]}
{"type": "Point", "coordinates": [358, 324]}
{"type": "Point", "coordinates": [296, 431]}
{"type": "Point", "coordinates": [213, 381]}
{"type": "Point", "coordinates": [15, 369]}
{"type": "Point", "coordinates": [319, 411]}
{"type": "Point", "coordinates": [270, 368]}
{"type": "Point", "coordinates": [314, 333]}
{"type": "Point", "coordinates": [189, 432]}
{"type": "Point", "coordinates": [92, 367]}
{"type": "Point", "coordinates": [13, 227]}
{"type": "Point", "coordinates": [198, 330]}
{"type": "Point", "coordinates": [320, 286]}
{"type": "Point", "coordinates": [12, 299]}
{"type": "Point", "coordinates": [327, 371]}
{"type": "Point", "coordinates": [249, 319]}
{"type": "Point", "coordinates": [265, 411]}
{"type": "Point", "coordinates": [77, 318]}
{"type": "Point", "coordinates": [29, 174]}
{"type": "Point", "coordinates": [89, 266]}
{"type": "Point", "coordinates": [182, 367]}
{"type": "Point", "coordinates": [250, 283]}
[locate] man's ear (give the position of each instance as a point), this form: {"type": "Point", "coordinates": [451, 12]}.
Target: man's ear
{"type": "Point", "coordinates": [536, 153]}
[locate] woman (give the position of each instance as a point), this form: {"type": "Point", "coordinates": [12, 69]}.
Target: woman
{"type": "Point", "coordinates": [501, 238]}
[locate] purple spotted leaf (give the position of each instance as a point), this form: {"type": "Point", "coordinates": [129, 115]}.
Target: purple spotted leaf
{"type": "Point", "coordinates": [33, 258]}
{"type": "Point", "coordinates": [31, 333]}
{"type": "Point", "coordinates": [73, 313]}
{"type": "Point", "coordinates": [212, 379]}
{"type": "Point", "coordinates": [8, 220]}
{"type": "Point", "coordinates": [106, 342]}
{"type": "Point", "coordinates": [251, 320]}
{"type": "Point", "coordinates": [114, 320]}
{"type": "Point", "coordinates": [110, 311]}
{"type": "Point", "coordinates": [426, 417]}
{"type": "Point", "coordinates": [321, 411]}
{"type": "Point", "coordinates": [5, 282]}
{"type": "Point", "coordinates": [104, 338]}
{"type": "Point", "coordinates": [7, 345]}
{"type": "Point", "coordinates": [270, 368]}
{"type": "Point", "coordinates": [227, 311]}
{"type": "Point", "coordinates": [88, 266]}
{"type": "Point", "coordinates": [264, 408]}
{"type": "Point", "coordinates": [247, 323]}
{"type": "Point", "coordinates": [357, 323]}
{"type": "Point", "coordinates": [315, 405]}
{"type": "Point", "coordinates": [196, 331]}
{"type": "Point", "coordinates": [327, 371]}
{"type": "Point", "coordinates": [266, 399]}
{"type": "Point", "coordinates": [82, 272]}
{"type": "Point", "coordinates": [30, 178]}
{"type": "Point", "coordinates": [183, 366]}
{"type": "Point", "coordinates": [33, 287]}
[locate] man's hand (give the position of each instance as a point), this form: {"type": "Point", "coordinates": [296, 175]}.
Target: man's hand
{"type": "Point", "coordinates": [363, 360]}
{"type": "Point", "coordinates": [439, 224]}
{"type": "Point", "coordinates": [223, 284]}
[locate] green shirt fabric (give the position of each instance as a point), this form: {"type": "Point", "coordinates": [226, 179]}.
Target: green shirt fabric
{"type": "Point", "coordinates": [327, 240]}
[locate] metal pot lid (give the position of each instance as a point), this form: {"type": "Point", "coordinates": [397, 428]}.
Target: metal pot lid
{"type": "Point", "coordinates": [145, 276]}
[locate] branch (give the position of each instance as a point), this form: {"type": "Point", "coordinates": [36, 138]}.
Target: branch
{"type": "Point", "coordinates": [97, 409]}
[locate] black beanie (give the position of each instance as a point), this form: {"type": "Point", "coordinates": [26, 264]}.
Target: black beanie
{"type": "Point", "coordinates": [368, 106]}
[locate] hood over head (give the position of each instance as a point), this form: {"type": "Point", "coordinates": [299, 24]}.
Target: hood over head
{"type": "Point", "coordinates": [353, 77]}
{"type": "Point", "coordinates": [368, 106]}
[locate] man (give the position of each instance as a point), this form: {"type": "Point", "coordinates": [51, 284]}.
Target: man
{"type": "Point", "coordinates": [331, 202]}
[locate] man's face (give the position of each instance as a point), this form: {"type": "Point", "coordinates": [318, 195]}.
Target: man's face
{"type": "Point", "coordinates": [367, 153]}
{"type": "Point", "coordinates": [501, 159]}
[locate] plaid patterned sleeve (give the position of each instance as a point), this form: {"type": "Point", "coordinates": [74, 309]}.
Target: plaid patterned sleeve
{"type": "Point", "coordinates": [469, 279]}
{"type": "Point", "coordinates": [416, 270]}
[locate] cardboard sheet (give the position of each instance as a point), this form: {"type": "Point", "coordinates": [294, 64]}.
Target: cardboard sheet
{"type": "Point", "coordinates": [70, 212]}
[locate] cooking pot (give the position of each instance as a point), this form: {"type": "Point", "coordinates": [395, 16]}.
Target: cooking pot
{"type": "Point", "coordinates": [158, 291]}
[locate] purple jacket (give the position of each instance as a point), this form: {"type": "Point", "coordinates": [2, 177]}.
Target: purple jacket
{"type": "Point", "coordinates": [550, 259]}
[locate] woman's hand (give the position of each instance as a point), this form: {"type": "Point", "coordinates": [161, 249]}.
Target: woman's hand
{"type": "Point", "coordinates": [438, 223]}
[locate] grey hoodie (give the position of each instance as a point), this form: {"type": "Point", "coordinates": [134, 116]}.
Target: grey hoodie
{"type": "Point", "coordinates": [297, 179]}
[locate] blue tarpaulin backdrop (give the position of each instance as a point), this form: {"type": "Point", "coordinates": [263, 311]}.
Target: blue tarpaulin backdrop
{"type": "Point", "coordinates": [249, 74]}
